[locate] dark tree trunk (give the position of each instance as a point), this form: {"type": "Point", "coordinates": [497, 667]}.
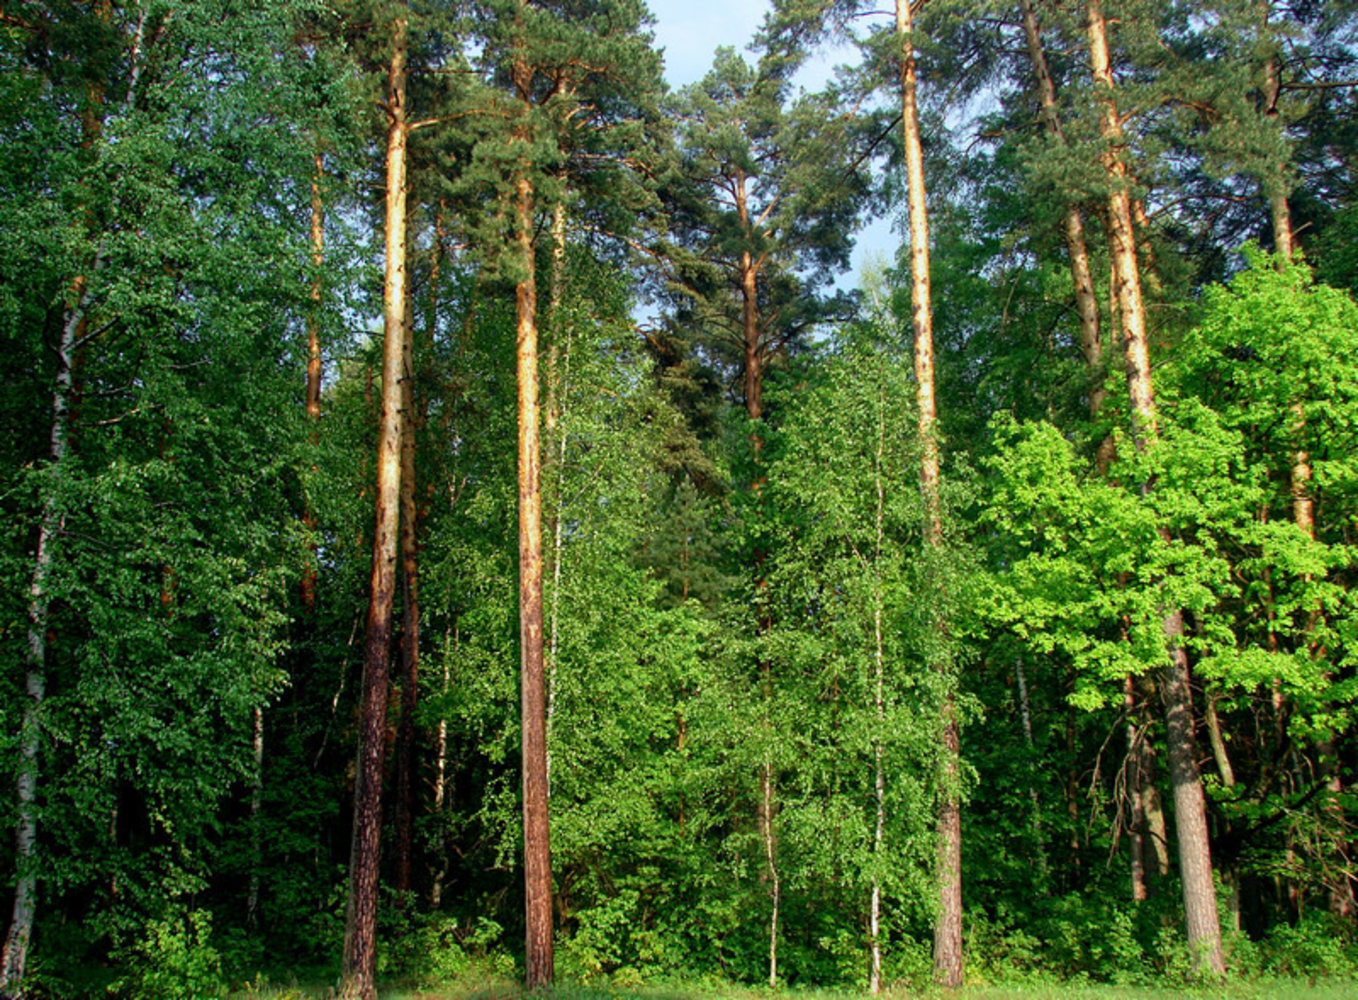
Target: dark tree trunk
{"type": "Point", "coordinates": [360, 928]}
{"type": "Point", "coordinates": [410, 631]}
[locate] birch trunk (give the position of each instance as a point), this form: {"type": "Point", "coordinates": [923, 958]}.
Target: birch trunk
{"type": "Point", "coordinates": [75, 322]}
{"type": "Point", "coordinates": [879, 705]}
{"type": "Point", "coordinates": [441, 771]}
{"type": "Point", "coordinates": [360, 928]}
{"type": "Point", "coordinates": [256, 805]}
{"type": "Point", "coordinates": [14, 960]}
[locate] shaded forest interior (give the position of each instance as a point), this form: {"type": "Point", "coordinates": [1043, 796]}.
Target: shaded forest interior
{"type": "Point", "coordinates": [464, 522]}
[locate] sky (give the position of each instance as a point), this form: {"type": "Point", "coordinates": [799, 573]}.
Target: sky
{"type": "Point", "coordinates": [690, 31]}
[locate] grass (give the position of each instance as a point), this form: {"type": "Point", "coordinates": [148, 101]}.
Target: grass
{"type": "Point", "coordinates": [484, 989]}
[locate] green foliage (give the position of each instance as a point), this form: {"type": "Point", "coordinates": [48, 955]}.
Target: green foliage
{"type": "Point", "coordinates": [728, 597]}
{"type": "Point", "coordinates": [174, 961]}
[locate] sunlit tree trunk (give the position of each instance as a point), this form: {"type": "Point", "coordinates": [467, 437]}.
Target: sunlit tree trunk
{"type": "Point", "coordinates": [360, 927]}
{"type": "Point", "coordinates": [558, 388]}
{"type": "Point", "coordinates": [538, 960]}
{"type": "Point", "coordinates": [753, 384]}
{"type": "Point", "coordinates": [948, 928]}
{"type": "Point", "coordinates": [1275, 184]}
{"type": "Point", "coordinates": [1190, 813]}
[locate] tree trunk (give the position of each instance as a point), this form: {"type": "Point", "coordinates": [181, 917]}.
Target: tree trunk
{"type": "Point", "coordinates": [1190, 811]}
{"type": "Point", "coordinates": [14, 959]}
{"type": "Point", "coordinates": [1026, 718]}
{"type": "Point", "coordinates": [256, 804]}
{"type": "Point", "coordinates": [410, 629]}
{"type": "Point", "coordinates": [451, 641]}
{"type": "Point", "coordinates": [75, 323]}
{"type": "Point", "coordinates": [1086, 304]}
{"type": "Point", "coordinates": [749, 322]}
{"type": "Point", "coordinates": [879, 706]}
{"type": "Point", "coordinates": [1135, 779]}
{"type": "Point", "coordinates": [948, 929]}
{"type": "Point", "coordinates": [558, 388]}
{"type": "Point", "coordinates": [360, 927]}
{"type": "Point", "coordinates": [1190, 816]}
{"type": "Point", "coordinates": [536, 830]}
{"type": "Point", "coordinates": [1157, 832]}
{"type": "Point", "coordinates": [775, 882]}
{"type": "Point", "coordinates": [313, 372]}
{"type": "Point", "coordinates": [1274, 184]}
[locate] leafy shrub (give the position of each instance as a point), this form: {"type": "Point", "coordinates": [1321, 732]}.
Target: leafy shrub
{"type": "Point", "coordinates": [174, 960]}
{"type": "Point", "coordinates": [436, 949]}
{"type": "Point", "coordinates": [1319, 947]}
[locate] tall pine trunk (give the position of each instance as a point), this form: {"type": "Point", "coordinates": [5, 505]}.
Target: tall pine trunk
{"type": "Point", "coordinates": [410, 630]}
{"type": "Point", "coordinates": [948, 928]}
{"type": "Point", "coordinates": [1086, 304]}
{"type": "Point", "coordinates": [1190, 813]}
{"type": "Point", "coordinates": [538, 961]}
{"type": "Point", "coordinates": [360, 926]}
{"type": "Point", "coordinates": [558, 391]}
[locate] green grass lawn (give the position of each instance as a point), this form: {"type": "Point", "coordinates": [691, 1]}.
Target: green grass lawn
{"type": "Point", "coordinates": [482, 989]}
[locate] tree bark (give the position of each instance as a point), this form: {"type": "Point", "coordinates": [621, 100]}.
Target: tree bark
{"type": "Point", "coordinates": [1190, 811]}
{"type": "Point", "coordinates": [1199, 892]}
{"type": "Point", "coordinates": [1274, 184]}
{"type": "Point", "coordinates": [1026, 718]}
{"type": "Point", "coordinates": [451, 641]}
{"type": "Point", "coordinates": [360, 928]}
{"type": "Point", "coordinates": [948, 929]}
{"type": "Point", "coordinates": [558, 388]}
{"type": "Point", "coordinates": [1135, 778]}
{"type": "Point", "coordinates": [1086, 304]}
{"type": "Point", "coordinates": [879, 702]}
{"type": "Point", "coordinates": [313, 371]}
{"type": "Point", "coordinates": [410, 629]}
{"type": "Point", "coordinates": [256, 805]}
{"type": "Point", "coordinates": [14, 960]}
{"type": "Point", "coordinates": [538, 959]}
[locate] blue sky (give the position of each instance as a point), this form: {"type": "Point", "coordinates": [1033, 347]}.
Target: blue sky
{"type": "Point", "coordinates": [691, 30]}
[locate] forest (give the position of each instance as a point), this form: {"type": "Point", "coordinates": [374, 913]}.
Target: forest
{"type": "Point", "coordinates": [467, 519]}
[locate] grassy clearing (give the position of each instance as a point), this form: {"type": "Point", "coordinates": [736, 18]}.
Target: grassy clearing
{"type": "Point", "coordinates": [483, 989]}
{"type": "Point", "coordinates": [1278, 990]}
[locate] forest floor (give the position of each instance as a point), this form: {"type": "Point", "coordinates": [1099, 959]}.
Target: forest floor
{"type": "Point", "coordinates": [1280, 989]}
{"type": "Point", "coordinates": [1275, 990]}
